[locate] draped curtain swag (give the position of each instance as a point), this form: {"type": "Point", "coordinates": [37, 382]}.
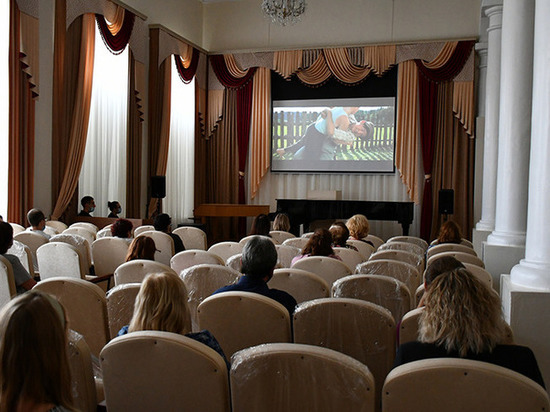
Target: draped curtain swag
{"type": "Point", "coordinates": [187, 67]}
{"type": "Point", "coordinates": [117, 34]}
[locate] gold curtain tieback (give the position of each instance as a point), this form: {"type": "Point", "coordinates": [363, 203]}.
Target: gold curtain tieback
{"type": "Point", "coordinates": [427, 178]}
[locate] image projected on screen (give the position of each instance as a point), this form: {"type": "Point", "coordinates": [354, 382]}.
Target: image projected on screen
{"type": "Point", "coordinates": [333, 135]}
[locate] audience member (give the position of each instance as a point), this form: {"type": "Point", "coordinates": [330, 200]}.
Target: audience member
{"type": "Point", "coordinates": [319, 244]}
{"type": "Point", "coordinates": [340, 235]}
{"type": "Point", "coordinates": [163, 223]}
{"type": "Point", "coordinates": [449, 233]}
{"type": "Point", "coordinates": [142, 247]}
{"type": "Point", "coordinates": [34, 370]}
{"type": "Point", "coordinates": [281, 222]}
{"type": "Point", "coordinates": [259, 258]}
{"type": "Point", "coordinates": [114, 208]}
{"type": "Point", "coordinates": [23, 281]}
{"type": "Point", "coordinates": [438, 267]}
{"type": "Point", "coordinates": [463, 319]}
{"type": "Point", "coordinates": [161, 304]}
{"type": "Point", "coordinates": [88, 206]}
{"type": "Point", "coordinates": [122, 228]}
{"type": "Point", "coordinates": [261, 225]}
{"type": "Point", "coordinates": [37, 220]}
{"type": "Point", "coordinates": [359, 227]}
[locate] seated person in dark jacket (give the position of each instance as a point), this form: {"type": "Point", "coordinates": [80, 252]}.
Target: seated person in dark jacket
{"type": "Point", "coordinates": [163, 223]}
{"type": "Point", "coordinates": [88, 206]}
{"type": "Point", "coordinates": [463, 319]}
{"type": "Point", "coordinates": [259, 258]}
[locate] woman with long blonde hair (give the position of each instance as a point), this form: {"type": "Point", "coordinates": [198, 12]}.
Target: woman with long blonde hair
{"type": "Point", "coordinates": [463, 319]}
{"type": "Point", "coordinates": [34, 368]}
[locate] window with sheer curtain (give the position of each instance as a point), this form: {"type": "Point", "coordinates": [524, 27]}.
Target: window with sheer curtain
{"type": "Point", "coordinates": [180, 171]}
{"type": "Point", "coordinates": [103, 174]}
{"type": "Point", "coordinates": [4, 105]}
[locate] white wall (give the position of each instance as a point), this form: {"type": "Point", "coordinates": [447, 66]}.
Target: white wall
{"type": "Point", "coordinates": [240, 25]}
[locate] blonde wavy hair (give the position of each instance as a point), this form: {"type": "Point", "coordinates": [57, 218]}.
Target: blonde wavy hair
{"type": "Point", "coordinates": [358, 226]}
{"type": "Point", "coordinates": [462, 314]}
{"type": "Point", "coordinates": [161, 304]}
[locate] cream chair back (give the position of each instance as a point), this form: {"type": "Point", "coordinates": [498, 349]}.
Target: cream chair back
{"type": "Point", "coordinates": [245, 240]}
{"type": "Point", "coordinates": [285, 254]}
{"type": "Point", "coordinates": [82, 374]}
{"type": "Point", "coordinates": [226, 249]}
{"type": "Point", "coordinates": [144, 228]}
{"type": "Point", "coordinates": [58, 259]}
{"type": "Point", "coordinates": [120, 306]}
{"type": "Point", "coordinates": [188, 258]}
{"type": "Point", "coordinates": [253, 319]}
{"type": "Point", "coordinates": [449, 247]}
{"type": "Point", "coordinates": [375, 240]}
{"type": "Point", "coordinates": [33, 241]}
{"type": "Point", "coordinates": [404, 246]}
{"type": "Point", "coordinates": [235, 262]}
{"type": "Point", "coordinates": [7, 281]}
{"type": "Point", "coordinates": [135, 271]}
{"type": "Point", "coordinates": [164, 244]}
{"type": "Point", "coordinates": [400, 255]}
{"type": "Point", "coordinates": [280, 236]}
{"type": "Point", "coordinates": [410, 239]}
{"type": "Point", "coordinates": [87, 225]}
{"type": "Point", "coordinates": [349, 256]}
{"type": "Point", "coordinates": [109, 253]}
{"type": "Point", "coordinates": [328, 268]}
{"type": "Point", "coordinates": [298, 242]}
{"type": "Point", "coordinates": [17, 228]}
{"type": "Point", "coordinates": [23, 253]}
{"type": "Point", "coordinates": [163, 371]}
{"type": "Point", "coordinates": [362, 247]}
{"type": "Point", "coordinates": [404, 272]}
{"type": "Point", "coordinates": [460, 256]}
{"type": "Point", "coordinates": [293, 377]}
{"type": "Point", "coordinates": [82, 244]}
{"type": "Point", "coordinates": [81, 231]}
{"type": "Point", "coordinates": [300, 284]}
{"type": "Point", "coordinates": [192, 237]}
{"type": "Point", "coordinates": [56, 225]}
{"type": "Point", "coordinates": [409, 327]}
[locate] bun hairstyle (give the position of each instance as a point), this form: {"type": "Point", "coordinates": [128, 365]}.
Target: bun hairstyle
{"type": "Point", "coordinates": [113, 205]}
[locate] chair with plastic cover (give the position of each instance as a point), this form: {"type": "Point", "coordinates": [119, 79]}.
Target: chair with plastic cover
{"type": "Point", "coordinates": [33, 241]}
{"type": "Point", "coordinates": [82, 374]}
{"type": "Point", "coordinates": [298, 242]}
{"type": "Point", "coordinates": [384, 291]}
{"type": "Point", "coordinates": [404, 272]}
{"type": "Point", "coordinates": [56, 225]}
{"type": "Point", "coordinates": [349, 256]}
{"type": "Point", "coordinates": [362, 247]}
{"type": "Point", "coordinates": [163, 371]}
{"type": "Point", "coordinates": [7, 281]}
{"type": "Point", "coordinates": [81, 231]}
{"type": "Point", "coordinates": [447, 247]}
{"type": "Point", "coordinates": [240, 320]}
{"type": "Point", "coordinates": [463, 241]}
{"type": "Point", "coordinates": [17, 228]}
{"type": "Point", "coordinates": [23, 253]}
{"type": "Point", "coordinates": [109, 253]}
{"type": "Point", "coordinates": [300, 284]}
{"type": "Point", "coordinates": [410, 239]}
{"type": "Point", "coordinates": [188, 258]}
{"type": "Point", "coordinates": [307, 235]}
{"type": "Point", "coordinates": [87, 225]}
{"type": "Point", "coordinates": [245, 240]}
{"type": "Point", "coordinates": [404, 246]}
{"type": "Point", "coordinates": [460, 385]}
{"type": "Point", "coordinates": [86, 308]}
{"type": "Point", "coordinates": [82, 244]}
{"type": "Point", "coordinates": [144, 228]}
{"type": "Point", "coordinates": [203, 280]}
{"type": "Point", "coordinates": [409, 327]}
{"type": "Point", "coordinates": [359, 329]}
{"type": "Point", "coordinates": [375, 240]}
{"type": "Point", "coordinates": [164, 244]}
{"type": "Point", "coordinates": [400, 255]}
{"type": "Point", "coordinates": [285, 254]}
{"type": "Point", "coordinates": [328, 268]}
{"type": "Point", "coordinates": [120, 306]}
{"type": "Point", "coordinates": [59, 259]}
{"type": "Point", "coordinates": [226, 249]}
{"type": "Point", "coordinates": [294, 377]}
{"type": "Point", "coordinates": [460, 256]}
{"type": "Point", "coordinates": [479, 273]}
{"type": "Point", "coordinates": [280, 236]}
{"type": "Point", "coordinates": [235, 262]}
{"type": "Point", "coordinates": [135, 271]}
{"type": "Point", "coordinates": [105, 232]}
{"type": "Point", "coordinates": [192, 237]}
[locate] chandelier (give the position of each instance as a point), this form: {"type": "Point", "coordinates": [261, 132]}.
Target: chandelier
{"type": "Point", "coordinates": [284, 12]}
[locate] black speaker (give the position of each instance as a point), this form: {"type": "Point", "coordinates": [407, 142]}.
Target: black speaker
{"type": "Point", "coordinates": [158, 187]}
{"type": "Point", "coordinates": [446, 201]}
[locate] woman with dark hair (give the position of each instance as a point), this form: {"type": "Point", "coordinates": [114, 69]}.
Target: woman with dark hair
{"type": "Point", "coordinates": [449, 233]}
{"type": "Point", "coordinates": [23, 281]}
{"type": "Point", "coordinates": [115, 209]}
{"type": "Point", "coordinates": [319, 244]}
{"type": "Point", "coordinates": [122, 228]}
{"type": "Point", "coordinates": [142, 247]}
{"type": "Point", "coordinates": [34, 368]}
{"type": "Point", "coordinates": [340, 235]}
{"type": "Point", "coordinates": [260, 226]}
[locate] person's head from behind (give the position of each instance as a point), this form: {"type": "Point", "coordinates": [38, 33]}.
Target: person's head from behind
{"type": "Point", "coordinates": [358, 226]}
{"type": "Point", "coordinates": [259, 258]}
{"type": "Point", "coordinates": [142, 247]}
{"type": "Point", "coordinates": [319, 244]}
{"type": "Point", "coordinates": [88, 204]}
{"type": "Point", "coordinates": [6, 237]}
{"type": "Point", "coordinates": [36, 219]}
{"type": "Point", "coordinates": [449, 233]}
{"type": "Point", "coordinates": [161, 304]}
{"type": "Point", "coordinates": [114, 207]}
{"type": "Point", "coordinates": [261, 225]}
{"type": "Point", "coordinates": [122, 228]}
{"type": "Point", "coordinates": [163, 223]}
{"type": "Point", "coordinates": [462, 314]}
{"type": "Point", "coordinates": [281, 222]}
{"type": "Point", "coordinates": [440, 266]}
{"type": "Point", "coordinates": [340, 234]}
{"type": "Point", "coordinates": [34, 367]}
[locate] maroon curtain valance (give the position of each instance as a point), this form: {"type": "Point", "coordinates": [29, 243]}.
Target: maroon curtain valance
{"type": "Point", "coordinates": [116, 43]}
{"type": "Point", "coordinates": [225, 77]}
{"type": "Point", "coordinates": [452, 68]}
{"type": "Point", "coordinates": [186, 75]}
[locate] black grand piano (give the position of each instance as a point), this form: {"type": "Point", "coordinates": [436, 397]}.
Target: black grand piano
{"type": "Point", "coordinates": [303, 211]}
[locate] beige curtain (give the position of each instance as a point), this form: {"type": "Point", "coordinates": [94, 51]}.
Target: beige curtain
{"type": "Point", "coordinates": [287, 62]}
{"type": "Point", "coordinates": [379, 58]}
{"type": "Point", "coordinates": [340, 65]}
{"type": "Point", "coordinates": [79, 120]}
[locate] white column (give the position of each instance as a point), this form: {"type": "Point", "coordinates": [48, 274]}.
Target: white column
{"type": "Point", "coordinates": [514, 123]}
{"type": "Point", "coordinates": [534, 270]}
{"type": "Point", "coordinates": [492, 104]}
{"type": "Point", "coordinates": [481, 49]}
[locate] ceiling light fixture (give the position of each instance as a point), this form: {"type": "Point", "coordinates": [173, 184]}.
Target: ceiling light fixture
{"type": "Point", "coordinates": [284, 12]}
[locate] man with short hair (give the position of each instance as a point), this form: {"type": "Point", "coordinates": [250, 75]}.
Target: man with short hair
{"type": "Point", "coordinates": [88, 206]}
{"type": "Point", "coordinates": [163, 223]}
{"type": "Point", "coordinates": [259, 258]}
{"type": "Point", "coordinates": [37, 220]}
